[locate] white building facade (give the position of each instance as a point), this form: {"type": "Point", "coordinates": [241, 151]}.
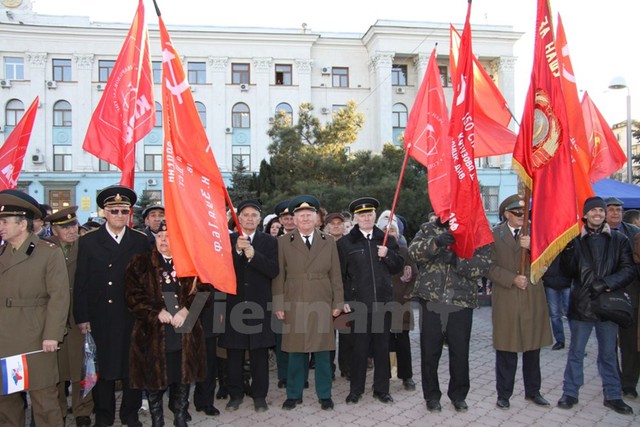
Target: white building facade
{"type": "Point", "coordinates": [240, 78]}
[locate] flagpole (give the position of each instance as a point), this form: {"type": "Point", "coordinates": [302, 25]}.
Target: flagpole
{"type": "Point", "coordinates": [233, 211]}
{"type": "Point", "coordinates": [525, 229]}
{"type": "Point", "coordinates": [395, 197]}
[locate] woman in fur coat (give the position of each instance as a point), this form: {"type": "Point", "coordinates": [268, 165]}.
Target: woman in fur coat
{"type": "Point", "coordinates": [162, 355]}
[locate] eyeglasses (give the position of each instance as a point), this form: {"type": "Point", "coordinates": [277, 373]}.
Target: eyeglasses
{"type": "Point", "coordinates": [517, 213]}
{"type": "Point", "coordinates": [119, 211]}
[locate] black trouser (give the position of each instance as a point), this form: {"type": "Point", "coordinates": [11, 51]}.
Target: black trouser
{"type": "Point", "coordinates": [432, 335]}
{"type": "Point", "coordinates": [400, 343]}
{"type": "Point", "coordinates": [204, 391]}
{"type": "Point", "coordinates": [104, 400]}
{"type": "Point", "coordinates": [259, 365]}
{"type": "Point", "coordinates": [629, 355]}
{"type": "Point", "coordinates": [378, 340]}
{"type": "Point", "coordinates": [506, 365]}
{"type": "Point", "coordinates": [345, 352]}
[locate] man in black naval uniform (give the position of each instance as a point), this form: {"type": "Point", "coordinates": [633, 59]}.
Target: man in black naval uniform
{"type": "Point", "coordinates": [100, 306]}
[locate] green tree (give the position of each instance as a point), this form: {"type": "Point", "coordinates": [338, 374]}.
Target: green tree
{"type": "Point", "coordinates": [243, 184]}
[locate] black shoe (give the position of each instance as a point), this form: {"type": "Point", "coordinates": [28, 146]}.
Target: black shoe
{"type": "Point", "coordinates": [222, 393]}
{"type": "Point", "coordinates": [503, 403]}
{"type": "Point", "coordinates": [187, 416]}
{"type": "Point", "coordinates": [460, 405]}
{"type": "Point", "coordinates": [260, 404]}
{"type": "Point", "coordinates": [619, 406]}
{"type": "Point", "coordinates": [209, 410]}
{"type": "Point", "coordinates": [234, 404]}
{"type": "Point", "coordinates": [558, 346]}
{"type": "Point", "coordinates": [132, 421]}
{"type": "Point", "coordinates": [383, 397]}
{"type": "Point", "coordinates": [83, 421]}
{"type": "Point", "coordinates": [353, 398]}
{"type": "Point", "coordinates": [408, 384]}
{"type": "Point", "coordinates": [282, 383]}
{"type": "Point", "coordinates": [289, 404]}
{"type": "Point", "coordinates": [326, 404]}
{"type": "Point", "coordinates": [538, 400]}
{"type": "Point", "coordinates": [433, 405]}
{"type": "Point", "coordinates": [629, 392]}
{"type": "Point", "coordinates": [101, 424]}
{"type": "Point", "coordinates": [567, 402]}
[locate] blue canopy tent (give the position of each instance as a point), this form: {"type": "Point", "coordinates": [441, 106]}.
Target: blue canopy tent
{"type": "Point", "coordinates": [628, 193]}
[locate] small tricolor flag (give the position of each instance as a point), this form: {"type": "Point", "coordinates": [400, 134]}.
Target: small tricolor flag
{"type": "Point", "coordinates": [15, 374]}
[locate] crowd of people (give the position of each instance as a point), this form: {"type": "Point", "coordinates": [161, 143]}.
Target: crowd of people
{"type": "Point", "coordinates": [322, 291]}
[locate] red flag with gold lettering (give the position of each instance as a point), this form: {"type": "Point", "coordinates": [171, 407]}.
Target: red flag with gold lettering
{"type": "Point", "coordinates": [426, 137]}
{"type": "Point", "coordinates": [14, 148]}
{"type": "Point", "coordinates": [467, 221]}
{"type": "Point", "coordinates": [542, 155]}
{"type": "Point", "coordinates": [126, 111]}
{"type": "Point", "coordinates": [195, 193]}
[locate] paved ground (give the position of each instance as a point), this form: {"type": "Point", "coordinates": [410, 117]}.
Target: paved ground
{"type": "Point", "coordinates": [409, 407]}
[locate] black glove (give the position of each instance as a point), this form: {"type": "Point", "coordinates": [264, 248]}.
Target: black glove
{"type": "Point", "coordinates": [449, 257]}
{"type": "Point", "coordinates": [444, 239]}
{"type": "Point", "coordinates": [597, 288]}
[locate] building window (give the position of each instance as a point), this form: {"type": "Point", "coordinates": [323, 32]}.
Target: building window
{"type": "Point", "coordinates": [286, 110]}
{"type": "Point", "coordinates": [335, 108]}
{"type": "Point", "coordinates": [62, 158]}
{"type": "Point", "coordinates": [13, 68]}
{"type": "Point", "coordinates": [197, 73]}
{"type": "Point", "coordinates": [202, 112]}
{"type": "Point", "coordinates": [62, 70]}
{"type": "Point", "coordinates": [340, 77]}
{"type": "Point", "coordinates": [240, 116]}
{"type": "Point", "coordinates": [104, 70]}
{"type": "Point", "coordinates": [490, 198]}
{"type": "Point", "coordinates": [14, 112]}
{"type": "Point", "coordinates": [444, 75]}
{"type": "Point", "coordinates": [156, 66]}
{"type": "Point", "coordinates": [158, 115]}
{"type": "Point", "coordinates": [399, 75]}
{"type": "Point", "coordinates": [399, 116]}
{"type": "Point", "coordinates": [62, 114]}
{"type": "Point", "coordinates": [106, 167]}
{"type": "Point", "coordinates": [241, 157]}
{"type": "Point", "coordinates": [239, 74]}
{"type": "Point", "coordinates": [283, 74]}
{"type": "Point", "coordinates": [152, 157]}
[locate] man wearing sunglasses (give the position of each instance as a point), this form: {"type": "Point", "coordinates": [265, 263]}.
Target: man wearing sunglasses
{"type": "Point", "coordinates": [100, 306]}
{"type": "Point", "coordinates": [520, 312]}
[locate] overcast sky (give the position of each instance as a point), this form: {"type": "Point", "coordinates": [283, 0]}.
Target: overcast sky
{"type": "Point", "coordinates": [603, 36]}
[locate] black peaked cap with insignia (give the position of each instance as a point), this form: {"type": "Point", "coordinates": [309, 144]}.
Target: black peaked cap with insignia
{"type": "Point", "coordinates": [63, 217]}
{"type": "Point", "coordinates": [148, 209]}
{"type": "Point", "coordinates": [364, 204]}
{"type": "Point", "coordinates": [249, 203]}
{"type": "Point", "coordinates": [304, 202]}
{"type": "Point", "coordinates": [515, 201]}
{"type": "Point", "coordinates": [18, 203]}
{"type": "Point", "coordinates": [282, 208]}
{"type": "Point", "coordinates": [116, 195]}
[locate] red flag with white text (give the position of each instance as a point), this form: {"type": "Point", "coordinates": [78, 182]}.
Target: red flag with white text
{"type": "Point", "coordinates": [426, 139]}
{"type": "Point", "coordinates": [467, 220]}
{"type": "Point", "coordinates": [126, 111]}
{"type": "Point", "coordinates": [195, 193]}
{"type": "Point", "coordinates": [606, 155]}
{"type": "Point", "coordinates": [491, 114]}
{"type": "Point", "coordinates": [542, 156]}
{"type": "Point", "coordinates": [14, 148]}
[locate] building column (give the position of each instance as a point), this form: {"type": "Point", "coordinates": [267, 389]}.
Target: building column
{"type": "Point", "coordinates": [263, 110]}
{"type": "Point", "coordinates": [420, 61]}
{"type": "Point", "coordinates": [217, 113]}
{"type": "Point", "coordinates": [506, 84]}
{"type": "Point", "coordinates": [380, 68]}
{"type": "Point", "coordinates": [42, 126]}
{"type": "Point", "coordinates": [303, 67]}
{"type": "Point", "coordinates": [82, 112]}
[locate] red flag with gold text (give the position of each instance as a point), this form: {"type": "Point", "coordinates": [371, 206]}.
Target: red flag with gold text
{"type": "Point", "coordinates": [467, 220]}
{"type": "Point", "coordinates": [126, 111]}
{"type": "Point", "coordinates": [14, 148]}
{"type": "Point", "coordinates": [195, 193]}
{"type": "Point", "coordinates": [426, 138]}
{"type": "Point", "coordinates": [542, 155]}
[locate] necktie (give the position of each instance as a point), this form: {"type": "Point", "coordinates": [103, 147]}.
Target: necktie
{"type": "Point", "coordinates": [368, 236]}
{"type": "Point", "coordinates": [515, 233]}
{"type": "Point", "coordinates": [307, 242]}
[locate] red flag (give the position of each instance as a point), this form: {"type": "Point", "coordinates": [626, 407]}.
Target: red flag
{"type": "Point", "coordinates": [126, 111]}
{"type": "Point", "coordinates": [606, 155]}
{"type": "Point", "coordinates": [467, 221]}
{"type": "Point", "coordinates": [14, 148]}
{"type": "Point", "coordinates": [542, 155]}
{"type": "Point", "coordinates": [492, 116]}
{"type": "Point", "coordinates": [426, 139]}
{"type": "Point", "coordinates": [577, 135]}
{"type": "Point", "coordinates": [195, 193]}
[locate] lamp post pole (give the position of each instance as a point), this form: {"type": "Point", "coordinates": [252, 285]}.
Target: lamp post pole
{"type": "Point", "coordinates": [620, 83]}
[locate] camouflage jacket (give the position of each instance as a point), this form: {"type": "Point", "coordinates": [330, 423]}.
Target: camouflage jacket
{"type": "Point", "coordinates": [441, 279]}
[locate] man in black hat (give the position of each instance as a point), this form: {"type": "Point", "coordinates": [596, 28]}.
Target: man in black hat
{"type": "Point", "coordinates": [34, 293]}
{"type": "Point", "coordinates": [628, 337]}
{"type": "Point", "coordinates": [152, 216]}
{"type": "Point", "coordinates": [285, 216]}
{"type": "Point", "coordinates": [100, 306]}
{"type": "Point", "coordinates": [64, 229]}
{"type": "Point", "coordinates": [367, 267]}
{"type": "Point", "coordinates": [248, 316]}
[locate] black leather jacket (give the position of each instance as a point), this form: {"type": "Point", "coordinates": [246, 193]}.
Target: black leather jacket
{"type": "Point", "coordinates": [591, 257]}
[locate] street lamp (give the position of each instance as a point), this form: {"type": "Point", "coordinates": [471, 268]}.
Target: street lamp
{"type": "Point", "coordinates": [620, 83]}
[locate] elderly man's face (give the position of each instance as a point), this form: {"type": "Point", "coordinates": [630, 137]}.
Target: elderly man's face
{"type": "Point", "coordinates": [117, 216]}
{"type": "Point", "coordinates": [336, 227]}
{"type": "Point", "coordinates": [249, 219]}
{"type": "Point", "coordinates": [287, 222]}
{"type": "Point", "coordinates": [12, 228]}
{"type": "Point", "coordinates": [305, 220]}
{"type": "Point", "coordinates": [614, 215]}
{"type": "Point", "coordinates": [66, 233]}
{"type": "Point", "coordinates": [153, 219]}
{"type": "Point", "coordinates": [515, 217]}
{"type": "Point", "coordinates": [366, 220]}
